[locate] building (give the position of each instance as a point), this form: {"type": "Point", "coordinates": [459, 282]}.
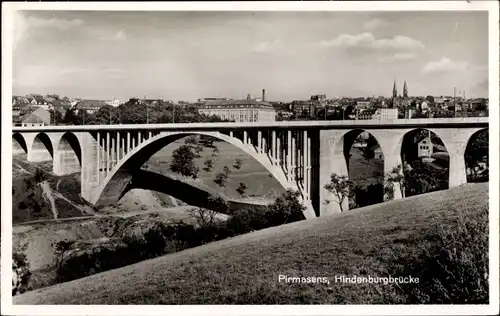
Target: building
{"type": "Point", "coordinates": [476, 104]}
{"type": "Point", "coordinates": [245, 110]}
{"type": "Point", "coordinates": [363, 105]}
{"type": "Point", "coordinates": [424, 147]}
{"type": "Point", "coordinates": [37, 117]}
{"type": "Point", "coordinates": [114, 103]}
{"type": "Point", "coordinates": [319, 97]}
{"type": "Point", "coordinates": [378, 153]}
{"type": "Point", "coordinates": [90, 106]}
{"type": "Point", "coordinates": [285, 114]}
{"type": "Point", "coordinates": [382, 114]}
{"type": "Point", "coordinates": [205, 100]}
{"type": "Point", "coordinates": [405, 91]}
{"type": "Point", "coordinates": [38, 101]}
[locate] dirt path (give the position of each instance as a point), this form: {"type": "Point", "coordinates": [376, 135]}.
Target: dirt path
{"type": "Point", "coordinates": [83, 209]}
{"type": "Point", "coordinates": [22, 169]}
{"type": "Point", "coordinates": [147, 199]}
{"type": "Point", "coordinates": [174, 201]}
{"type": "Point", "coordinates": [47, 191]}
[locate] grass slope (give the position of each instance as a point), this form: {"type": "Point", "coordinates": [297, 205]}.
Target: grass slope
{"type": "Point", "coordinates": [378, 240]}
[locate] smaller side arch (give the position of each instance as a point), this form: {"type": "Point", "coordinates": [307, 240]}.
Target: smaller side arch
{"type": "Point", "coordinates": [68, 155]}
{"type": "Point", "coordinates": [41, 148]}
{"type": "Point", "coordinates": [476, 156]}
{"type": "Point", "coordinates": [19, 145]}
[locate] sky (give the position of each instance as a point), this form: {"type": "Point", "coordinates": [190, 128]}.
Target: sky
{"type": "Point", "coordinates": [293, 55]}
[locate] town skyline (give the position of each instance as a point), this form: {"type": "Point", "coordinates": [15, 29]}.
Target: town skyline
{"type": "Point", "coordinates": [191, 55]}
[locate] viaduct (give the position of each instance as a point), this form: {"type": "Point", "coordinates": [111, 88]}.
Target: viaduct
{"type": "Point", "coordinates": [301, 155]}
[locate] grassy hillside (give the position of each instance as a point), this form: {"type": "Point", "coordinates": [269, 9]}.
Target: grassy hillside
{"type": "Point", "coordinates": [64, 191]}
{"type": "Point", "coordinates": [259, 181]}
{"type": "Point", "coordinates": [415, 236]}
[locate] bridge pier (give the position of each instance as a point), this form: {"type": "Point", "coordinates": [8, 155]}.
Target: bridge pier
{"type": "Point", "coordinates": [455, 141]}
{"type": "Point", "coordinates": [90, 168]}
{"type": "Point", "coordinates": [391, 141]}
{"type": "Point", "coordinates": [37, 150]}
{"type": "Point", "coordinates": [331, 160]}
{"type": "Point", "coordinates": [66, 160]}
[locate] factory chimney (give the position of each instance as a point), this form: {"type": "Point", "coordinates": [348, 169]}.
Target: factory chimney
{"type": "Point", "coordinates": [263, 94]}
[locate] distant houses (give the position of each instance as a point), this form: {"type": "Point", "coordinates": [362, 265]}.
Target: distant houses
{"type": "Point", "coordinates": [37, 117]}
{"type": "Point", "coordinates": [90, 106]}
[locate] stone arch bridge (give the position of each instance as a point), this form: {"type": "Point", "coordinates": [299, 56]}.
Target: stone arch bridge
{"type": "Point", "coordinates": [301, 155]}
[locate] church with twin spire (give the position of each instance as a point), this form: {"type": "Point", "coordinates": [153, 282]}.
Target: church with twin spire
{"type": "Point", "coordinates": [398, 100]}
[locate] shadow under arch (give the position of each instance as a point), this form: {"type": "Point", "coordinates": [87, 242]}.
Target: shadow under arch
{"type": "Point", "coordinates": [476, 156]}
{"type": "Point", "coordinates": [70, 143]}
{"type": "Point", "coordinates": [425, 161]}
{"type": "Point", "coordinates": [19, 144]}
{"type": "Point", "coordinates": [364, 160]}
{"type": "Point", "coordinates": [113, 186]}
{"type": "Point", "coordinates": [42, 142]}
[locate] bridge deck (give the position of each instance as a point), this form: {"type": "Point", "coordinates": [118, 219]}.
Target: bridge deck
{"type": "Point", "coordinates": [346, 124]}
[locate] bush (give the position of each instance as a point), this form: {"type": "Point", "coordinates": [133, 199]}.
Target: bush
{"type": "Point", "coordinates": [247, 219]}
{"type": "Point", "coordinates": [28, 202]}
{"type": "Point", "coordinates": [220, 179]}
{"type": "Point", "coordinates": [92, 257]}
{"type": "Point", "coordinates": [286, 209]}
{"type": "Point", "coordinates": [208, 165]}
{"type": "Point", "coordinates": [237, 163]}
{"type": "Point", "coordinates": [241, 188]}
{"type": "Point", "coordinates": [20, 273]}
{"type": "Point", "coordinates": [39, 176]}
{"type": "Point", "coordinates": [218, 204]}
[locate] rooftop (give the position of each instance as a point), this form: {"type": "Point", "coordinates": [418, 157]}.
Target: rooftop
{"type": "Point", "coordinates": [240, 102]}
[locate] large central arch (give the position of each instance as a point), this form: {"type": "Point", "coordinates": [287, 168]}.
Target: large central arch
{"type": "Point", "coordinates": [68, 157]}
{"type": "Point", "coordinates": [115, 184]}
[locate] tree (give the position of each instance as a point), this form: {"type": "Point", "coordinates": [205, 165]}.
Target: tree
{"type": "Point", "coordinates": [21, 272]}
{"type": "Point", "coordinates": [396, 176]}
{"type": "Point", "coordinates": [476, 150]}
{"type": "Point", "coordinates": [183, 162]}
{"type": "Point", "coordinates": [372, 194]}
{"type": "Point", "coordinates": [241, 188]}
{"type": "Point", "coordinates": [70, 117]}
{"type": "Point", "coordinates": [61, 247]}
{"type": "Point", "coordinates": [237, 163]}
{"type": "Point", "coordinates": [39, 176]}
{"type": "Point", "coordinates": [286, 208]}
{"type": "Point", "coordinates": [55, 117]}
{"type": "Point", "coordinates": [204, 217]}
{"type": "Point", "coordinates": [368, 151]}
{"type": "Point", "coordinates": [226, 170]}
{"type": "Point", "coordinates": [192, 141]}
{"type": "Point", "coordinates": [108, 115]}
{"type": "Point", "coordinates": [207, 141]}
{"type": "Point", "coordinates": [208, 165]}
{"type": "Point", "coordinates": [341, 187]}
{"type": "Point", "coordinates": [215, 152]}
{"type": "Point", "coordinates": [220, 179]}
